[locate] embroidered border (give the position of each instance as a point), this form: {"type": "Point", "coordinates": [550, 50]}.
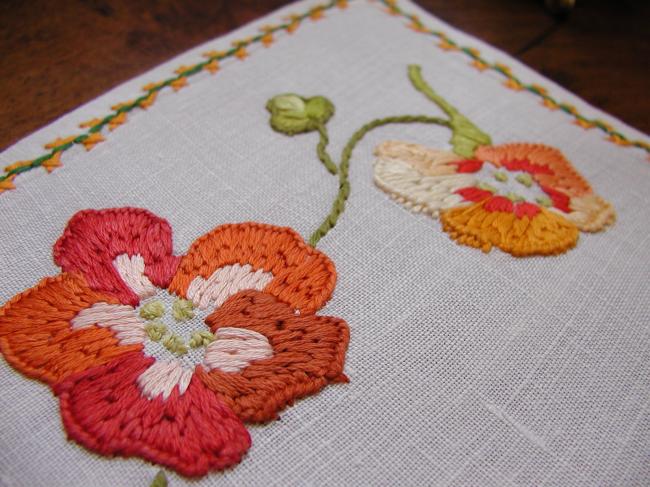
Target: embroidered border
{"type": "Point", "coordinates": [513, 82]}
{"type": "Point", "coordinates": [93, 136]}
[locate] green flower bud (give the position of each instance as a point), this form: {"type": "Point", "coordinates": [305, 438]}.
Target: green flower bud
{"type": "Point", "coordinates": [292, 114]}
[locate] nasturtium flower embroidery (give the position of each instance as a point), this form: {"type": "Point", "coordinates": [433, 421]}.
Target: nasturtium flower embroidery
{"type": "Point", "coordinates": [526, 199]}
{"type": "Point", "coordinates": [165, 357]}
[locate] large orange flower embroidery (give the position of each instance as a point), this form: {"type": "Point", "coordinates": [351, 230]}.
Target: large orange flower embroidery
{"type": "Point", "coordinates": [526, 199]}
{"type": "Point", "coordinates": [164, 357]}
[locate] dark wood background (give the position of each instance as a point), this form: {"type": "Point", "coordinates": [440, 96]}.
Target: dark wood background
{"type": "Point", "coordinates": [56, 55]}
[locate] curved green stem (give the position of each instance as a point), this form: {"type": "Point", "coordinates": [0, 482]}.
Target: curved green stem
{"type": "Point", "coordinates": [466, 136]}
{"type": "Point", "coordinates": [321, 150]}
{"type": "Point", "coordinates": [338, 206]}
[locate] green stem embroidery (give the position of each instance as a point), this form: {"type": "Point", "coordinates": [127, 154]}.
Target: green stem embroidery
{"type": "Point", "coordinates": [160, 480]}
{"type": "Point", "coordinates": [466, 136]}
{"type": "Point", "coordinates": [338, 206]}
{"type": "Point", "coordinates": [321, 150]}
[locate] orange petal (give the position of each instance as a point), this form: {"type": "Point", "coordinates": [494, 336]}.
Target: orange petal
{"type": "Point", "coordinates": [37, 339]}
{"type": "Point", "coordinates": [303, 277]}
{"type": "Point", "coordinates": [546, 233]}
{"type": "Point", "coordinates": [308, 353]}
{"type": "Point", "coordinates": [564, 178]}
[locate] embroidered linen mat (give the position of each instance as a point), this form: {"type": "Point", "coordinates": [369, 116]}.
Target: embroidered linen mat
{"type": "Point", "coordinates": [345, 245]}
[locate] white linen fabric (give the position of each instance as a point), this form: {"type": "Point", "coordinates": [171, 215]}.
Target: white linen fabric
{"type": "Point", "coordinates": [467, 369]}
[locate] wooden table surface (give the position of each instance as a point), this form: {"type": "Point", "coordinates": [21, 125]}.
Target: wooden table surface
{"type": "Point", "coordinates": [57, 55]}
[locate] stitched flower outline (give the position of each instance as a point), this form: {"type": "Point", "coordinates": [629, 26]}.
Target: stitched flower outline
{"type": "Point", "coordinates": [525, 199]}
{"type": "Point", "coordinates": [129, 386]}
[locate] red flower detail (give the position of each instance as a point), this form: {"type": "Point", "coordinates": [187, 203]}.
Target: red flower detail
{"type": "Point", "coordinates": [79, 333]}
{"type": "Point", "coordinates": [560, 200]}
{"type": "Point", "coordinates": [93, 239]}
{"type": "Point", "coordinates": [469, 165]}
{"type": "Point", "coordinates": [474, 194]}
{"type": "Point", "coordinates": [499, 203]}
{"type": "Point", "coordinates": [193, 433]}
{"type": "Point", "coordinates": [527, 166]}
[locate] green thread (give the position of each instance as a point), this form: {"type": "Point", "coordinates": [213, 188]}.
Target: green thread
{"type": "Point", "coordinates": [293, 114]}
{"type": "Point", "coordinates": [500, 176]}
{"type": "Point", "coordinates": [487, 187]}
{"type": "Point", "coordinates": [174, 344]}
{"type": "Point", "coordinates": [152, 310]}
{"type": "Point", "coordinates": [182, 310]}
{"type": "Point", "coordinates": [466, 136]}
{"type": "Point", "coordinates": [514, 197]}
{"type": "Point", "coordinates": [201, 339]}
{"type": "Point", "coordinates": [138, 102]}
{"type": "Point", "coordinates": [160, 480]}
{"type": "Point", "coordinates": [155, 330]}
{"type": "Point", "coordinates": [525, 179]}
{"type": "Point", "coordinates": [472, 53]}
{"type": "Point", "coordinates": [544, 201]}
{"type": "Point", "coordinates": [322, 151]}
{"type": "Point", "coordinates": [338, 206]}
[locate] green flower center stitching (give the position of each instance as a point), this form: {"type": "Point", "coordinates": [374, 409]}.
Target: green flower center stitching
{"type": "Point", "coordinates": [517, 186]}
{"type": "Point", "coordinates": [175, 328]}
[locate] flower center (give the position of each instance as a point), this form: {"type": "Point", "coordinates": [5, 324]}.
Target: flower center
{"type": "Point", "coordinates": [517, 186]}
{"type": "Point", "coordinates": [176, 329]}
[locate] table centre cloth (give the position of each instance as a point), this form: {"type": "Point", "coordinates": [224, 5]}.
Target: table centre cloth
{"type": "Point", "coordinates": [346, 244]}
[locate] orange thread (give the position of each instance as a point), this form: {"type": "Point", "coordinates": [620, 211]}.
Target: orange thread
{"type": "Point", "coordinates": [7, 184]}
{"type": "Point", "coordinates": [241, 53]}
{"type": "Point", "coordinates": [308, 353]}
{"type": "Point", "coordinates": [267, 39]}
{"type": "Point", "coordinates": [68, 335]}
{"type": "Point", "coordinates": [16, 165]}
{"type": "Point", "coordinates": [179, 83]}
{"type": "Point", "coordinates": [212, 67]}
{"type": "Point", "coordinates": [546, 233]}
{"type": "Point", "coordinates": [35, 333]}
{"type": "Point", "coordinates": [60, 141]}
{"type": "Point", "coordinates": [92, 140]}
{"type": "Point", "coordinates": [90, 123]}
{"type": "Point", "coordinates": [303, 277]}
{"type": "Point", "coordinates": [562, 174]}
{"type": "Point", "coordinates": [116, 121]}
{"type": "Point", "coordinates": [53, 162]}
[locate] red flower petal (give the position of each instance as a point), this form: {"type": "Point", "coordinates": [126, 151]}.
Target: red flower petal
{"type": "Point", "coordinates": [560, 200]}
{"type": "Point", "coordinates": [526, 209]}
{"type": "Point", "coordinates": [193, 433]}
{"type": "Point", "coordinates": [474, 194]}
{"type": "Point", "coordinates": [94, 238]}
{"type": "Point", "coordinates": [527, 166]}
{"type": "Point", "coordinates": [499, 203]}
{"type": "Point", "coordinates": [469, 165]}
